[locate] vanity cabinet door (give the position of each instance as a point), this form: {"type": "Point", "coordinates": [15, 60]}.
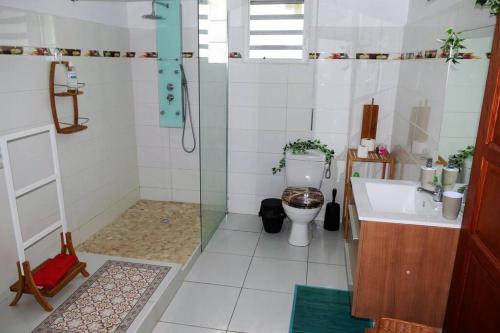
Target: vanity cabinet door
{"type": "Point", "coordinates": [404, 272]}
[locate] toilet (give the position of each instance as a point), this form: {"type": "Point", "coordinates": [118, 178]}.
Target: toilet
{"type": "Point", "coordinates": [302, 200]}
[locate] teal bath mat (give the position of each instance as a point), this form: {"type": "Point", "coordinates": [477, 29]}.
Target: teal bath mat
{"type": "Point", "coordinates": [318, 310]}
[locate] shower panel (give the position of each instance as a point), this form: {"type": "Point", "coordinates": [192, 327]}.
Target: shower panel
{"type": "Point", "coordinates": [169, 51]}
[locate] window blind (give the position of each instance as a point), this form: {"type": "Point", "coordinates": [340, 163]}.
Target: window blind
{"type": "Point", "coordinates": [276, 29]}
{"type": "Point", "coordinates": [203, 28]}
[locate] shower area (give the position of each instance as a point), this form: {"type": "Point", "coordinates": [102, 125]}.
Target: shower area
{"type": "Point", "coordinates": [180, 92]}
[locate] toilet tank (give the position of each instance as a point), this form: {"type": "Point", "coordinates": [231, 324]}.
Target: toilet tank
{"type": "Point", "coordinates": [305, 169]}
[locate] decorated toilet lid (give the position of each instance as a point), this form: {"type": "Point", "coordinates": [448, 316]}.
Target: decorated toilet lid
{"type": "Point", "coordinates": [303, 197]}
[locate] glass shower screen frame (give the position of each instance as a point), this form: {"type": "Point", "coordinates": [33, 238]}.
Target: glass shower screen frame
{"type": "Point", "coordinates": [213, 114]}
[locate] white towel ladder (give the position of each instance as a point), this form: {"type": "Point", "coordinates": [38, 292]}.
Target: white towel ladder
{"type": "Point", "coordinates": [14, 194]}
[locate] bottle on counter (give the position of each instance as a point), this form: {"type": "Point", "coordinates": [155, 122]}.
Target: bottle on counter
{"type": "Point", "coordinates": [427, 174]}
{"type": "Point", "coordinates": [450, 175]}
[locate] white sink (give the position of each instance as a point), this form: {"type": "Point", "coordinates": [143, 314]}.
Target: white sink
{"type": "Point", "coordinates": [397, 201]}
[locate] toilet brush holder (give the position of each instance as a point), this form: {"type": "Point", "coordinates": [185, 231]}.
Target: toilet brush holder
{"type": "Point", "coordinates": [332, 214]}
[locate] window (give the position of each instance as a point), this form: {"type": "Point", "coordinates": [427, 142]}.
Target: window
{"type": "Point", "coordinates": [213, 30]}
{"type": "Point", "coordinates": [203, 39]}
{"type": "Point", "coordinates": [276, 29]}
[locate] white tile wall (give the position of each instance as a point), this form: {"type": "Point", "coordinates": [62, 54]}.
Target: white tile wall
{"type": "Point", "coordinates": [271, 103]}
{"type": "Point", "coordinates": [99, 165]}
{"type": "Point", "coordinates": [166, 171]}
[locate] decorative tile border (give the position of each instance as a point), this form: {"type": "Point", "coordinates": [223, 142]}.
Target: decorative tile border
{"type": "Point", "coordinates": [50, 51]}
{"type": "Point", "coordinates": [417, 55]}
{"type": "Point", "coordinates": [427, 54]}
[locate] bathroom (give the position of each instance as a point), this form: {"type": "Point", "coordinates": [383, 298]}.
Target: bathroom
{"type": "Point", "coordinates": [167, 165]}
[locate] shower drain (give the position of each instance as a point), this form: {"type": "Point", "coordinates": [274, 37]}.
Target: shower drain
{"type": "Point", "coordinates": [165, 221]}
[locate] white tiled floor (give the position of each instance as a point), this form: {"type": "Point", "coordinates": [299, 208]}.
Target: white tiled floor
{"type": "Point", "coordinates": [244, 280]}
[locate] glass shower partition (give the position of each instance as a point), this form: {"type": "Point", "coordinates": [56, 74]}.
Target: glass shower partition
{"type": "Point", "coordinates": [213, 83]}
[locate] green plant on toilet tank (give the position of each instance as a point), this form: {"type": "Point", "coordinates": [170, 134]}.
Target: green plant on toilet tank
{"type": "Point", "coordinates": [299, 147]}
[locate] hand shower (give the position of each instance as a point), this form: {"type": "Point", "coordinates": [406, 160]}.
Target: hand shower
{"type": "Point", "coordinates": [186, 112]}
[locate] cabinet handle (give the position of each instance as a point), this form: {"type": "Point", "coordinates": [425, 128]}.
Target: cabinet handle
{"type": "Point", "coordinates": [354, 222]}
{"type": "Point", "coordinates": [312, 119]}
{"type": "Point", "coordinates": [408, 272]}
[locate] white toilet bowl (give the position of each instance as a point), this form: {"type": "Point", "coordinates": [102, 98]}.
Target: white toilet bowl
{"type": "Point", "coordinates": [301, 205]}
{"type": "Point", "coordinates": [300, 234]}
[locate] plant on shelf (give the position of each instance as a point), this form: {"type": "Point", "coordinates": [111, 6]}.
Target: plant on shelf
{"type": "Point", "coordinates": [462, 155]}
{"type": "Point", "coordinates": [451, 45]}
{"type": "Point", "coordinates": [300, 146]}
{"type": "Point", "coordinates": [493, 4]}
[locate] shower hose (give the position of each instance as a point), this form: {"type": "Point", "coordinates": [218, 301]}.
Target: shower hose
{"type": "Point", "coordinates": [186, 112]}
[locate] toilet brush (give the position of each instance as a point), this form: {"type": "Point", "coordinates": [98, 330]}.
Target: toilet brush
{"type": "Point", "coordinates": [332, 214]}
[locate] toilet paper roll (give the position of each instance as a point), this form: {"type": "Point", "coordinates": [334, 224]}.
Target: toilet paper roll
{"type": "Point", "coordinates": [362, 151]}
{"type": "Point", "coordinates": [368, 143]}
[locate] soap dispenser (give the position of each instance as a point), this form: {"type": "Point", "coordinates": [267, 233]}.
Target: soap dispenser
{"type": "Point", "coordinates": [427, 174]}
{"type": "Point", "coordinates": [71, 79]}
{"type": "Point", "coordinates": [450, 175]}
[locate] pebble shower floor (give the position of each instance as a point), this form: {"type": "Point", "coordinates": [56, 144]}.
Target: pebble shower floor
{"type": "Point", "coordinates": [139, 233]}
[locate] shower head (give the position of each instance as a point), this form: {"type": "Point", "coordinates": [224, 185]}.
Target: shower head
{"type": "Point", "coordinates": [153, 15]}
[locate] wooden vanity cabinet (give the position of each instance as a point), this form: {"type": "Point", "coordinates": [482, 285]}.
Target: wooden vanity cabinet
{"type": "Point", "coordinates": [403, 271]}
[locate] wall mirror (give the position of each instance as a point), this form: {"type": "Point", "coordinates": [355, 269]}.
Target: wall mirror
{"type": "Point", "coordinates": [463, 100]}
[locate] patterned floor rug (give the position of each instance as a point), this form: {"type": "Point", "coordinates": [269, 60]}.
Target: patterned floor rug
{"type": "Point", "coordinates": [108, 302]}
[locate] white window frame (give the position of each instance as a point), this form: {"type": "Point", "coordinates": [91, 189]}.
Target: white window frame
{"type": "Point", "coordinates": [308, 13]}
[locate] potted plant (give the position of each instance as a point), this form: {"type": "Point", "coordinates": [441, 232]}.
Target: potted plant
{"type": "Point", "coordinates": [451, 45]}
{"type": "Point", "coordinates": [463, 159]}
{"type": "Point", "coordinates": [493, 4]}
{"type": "Point", "coordinates": [300, 146]}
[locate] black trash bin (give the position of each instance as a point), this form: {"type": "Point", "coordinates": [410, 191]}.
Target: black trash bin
{"type": "Point", "coordinates": [273, 214]}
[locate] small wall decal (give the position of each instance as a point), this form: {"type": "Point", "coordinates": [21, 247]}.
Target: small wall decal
{"type": "Point", "coordinates": [235, 55]}
{"type": "Point", "coordinates": [372, 56]}
{"type": "Point", "coordinates": [112, 54]}
{"type": "Point", "coordinates": [149, 55]}
{"type": "Point", "coordinates": [71, 52]}
{"type": "Point", "coordinates": [334, 56]}
{"type": "Point", "coordinates": [430, 54]}
{"type": "Point", "coordinates": [314, 55]}
{"type": "Point", "coordinates": [13, 50]}
{"type": "Point", "coordinates": [37, 51]}
{"type": "Point", "coordinates": [92, 53]}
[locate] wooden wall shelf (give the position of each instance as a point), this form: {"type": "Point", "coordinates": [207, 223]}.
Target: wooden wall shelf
{"type": "Point", "coordinates": [76, 126]}
{"type": "Point", "coordinates": [352, 157]}
{"type": "Point", "coordinates": [72, 129]}
{"type": "Point", "coordinates": [68, 93]}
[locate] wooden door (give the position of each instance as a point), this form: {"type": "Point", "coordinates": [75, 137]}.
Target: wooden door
{"type": "Point", "coordinates": [474, 301]}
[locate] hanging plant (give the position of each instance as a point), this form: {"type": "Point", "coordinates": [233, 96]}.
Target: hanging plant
{"type": "Point", "coordinates": [452, 45]}
{"type": "Point", "coordinates": [299, 147]}
{"type": "Point", "coordinates": [493, 4]}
